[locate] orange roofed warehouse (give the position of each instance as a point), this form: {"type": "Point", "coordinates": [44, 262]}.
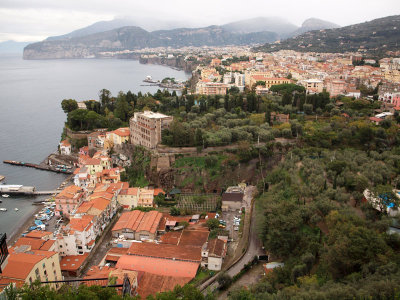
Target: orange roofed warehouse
{"type": "Point", "coordinates": [138, 225]}
{"type": "Point", "coordinates": [165, 260]}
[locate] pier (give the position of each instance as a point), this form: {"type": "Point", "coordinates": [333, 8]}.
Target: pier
{"type": "Point", "coordinates": [23, 190]}
{"type": "Point", "coordinates": [39, 167]}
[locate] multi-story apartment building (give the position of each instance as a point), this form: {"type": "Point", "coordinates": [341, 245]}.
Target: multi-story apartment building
{"type": "Point", "coordinates": [313, 86]}
{"type": "Point", "coordinates": [67, 201]}
{"type": "Point", "coordinates": [25, 265]}
{"type": "Point", "coordinates": [146, 128]}
{"type": "Point", "coordinates": [211, 88]}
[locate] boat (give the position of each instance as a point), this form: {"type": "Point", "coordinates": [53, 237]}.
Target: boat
{"type": "Point", "coordinates": [16, 209]}
{"type": "Point", "coordinates": [3, 209]}
{"type": "Point", "coordinates": [5, 195]}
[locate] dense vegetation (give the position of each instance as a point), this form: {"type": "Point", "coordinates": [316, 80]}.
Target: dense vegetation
{"type": "Point", "coordinates": [376, 37]}
{"type": "Point", "coordinates": [84, 292]}
{"type": "Point", "coordinates": [314, 217]}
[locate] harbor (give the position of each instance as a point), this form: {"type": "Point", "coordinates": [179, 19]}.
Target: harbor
{"type": "Point", "coordinates": [23, 190]}
{"type": "Point", "coordinates": [167, 83]}
{"type": "Point", "coordinates": [57, 169]}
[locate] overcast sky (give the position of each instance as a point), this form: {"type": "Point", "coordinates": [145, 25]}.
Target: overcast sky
{"type": "Point", "coordinates": [33, 20]}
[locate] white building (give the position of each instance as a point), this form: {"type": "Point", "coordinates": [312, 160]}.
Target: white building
{"type": "Point", "coordinates": [65, 147]}
{"type": "Point", "coordinates": [78, 237]}
{"type": "Point", "coordinates": [213, 253]}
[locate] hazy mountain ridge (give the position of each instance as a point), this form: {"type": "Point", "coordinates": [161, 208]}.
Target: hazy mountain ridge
{"type": "Point", "coordinates": [374, 37]}
{"type": "Point", "coordinates": [314, 24]}
{"type": "Point", "coordinates": [132, 37]}
{"type": "Point", "coordinates": [274, 24]}
{"type": "Point", "coordinates": [78, 44]}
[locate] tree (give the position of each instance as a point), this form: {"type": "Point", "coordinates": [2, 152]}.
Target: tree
{"type": "Point", "coordinates": [174, 211]}
{"type": "Point", "coordinates": [69, 105]}
{"type": "Point", "coordinates": [308, 109]}
{"type": "Point", "coordinates": [212, 223]}
{"type": "Point", "coordinates": [105, 98]}
{"type": "Point", "coordinates": [224, 281]}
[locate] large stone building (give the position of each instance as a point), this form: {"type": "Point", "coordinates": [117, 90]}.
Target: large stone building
{"type": "Point", "coordinates": [146, 128]}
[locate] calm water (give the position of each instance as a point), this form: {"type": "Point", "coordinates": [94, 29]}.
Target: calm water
{"type": "Point", "coordinates": [31, 119]}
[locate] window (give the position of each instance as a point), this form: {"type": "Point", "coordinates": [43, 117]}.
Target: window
{"type": "Point", "coordinates": [52, 264]}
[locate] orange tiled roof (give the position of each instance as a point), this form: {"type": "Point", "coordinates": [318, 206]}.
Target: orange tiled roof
{"type": "Point", "coordinates": [151, 284]}
{"type": "Point", "coordinates": [124, 131]}
{"type": "Point", "coordinates": [158, 266]}
{"type": "Point", "coordinates": [182, 253]}
{"type": "Point", "coordinates": [82, 223]}
{"type": "Point", "coordinates": [72, 262]}
{"type": "Point", "coordinates": [69, 192]}
{"type": "Point", "coordinates": [38, 234]}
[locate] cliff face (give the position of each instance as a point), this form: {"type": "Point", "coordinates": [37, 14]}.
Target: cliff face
{"type": "Point", "coordinates": [55, 52]}
{"type": "Point", "coordinates": [133, 38]}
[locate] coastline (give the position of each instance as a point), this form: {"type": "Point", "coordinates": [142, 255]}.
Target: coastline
{"type": "Point", "coordinates": [26, 223]}
{"type": "Point", "coordinates": [29, 219]}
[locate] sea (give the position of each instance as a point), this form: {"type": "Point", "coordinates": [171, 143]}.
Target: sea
{"type": "Point", "coordinates": [31, 118]}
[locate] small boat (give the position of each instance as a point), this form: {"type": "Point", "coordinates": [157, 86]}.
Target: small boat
{"type": "Point", "coordinates": [5, 195]}
{"type": "Point", "coordinates": [3, 209]}
{"type": "Point", "coordinates": [16, 209]}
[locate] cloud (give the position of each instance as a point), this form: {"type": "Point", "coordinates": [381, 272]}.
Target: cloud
{"type": "Point", "coordinates": [54, 17]}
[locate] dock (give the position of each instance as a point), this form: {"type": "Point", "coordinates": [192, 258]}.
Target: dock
{"type": "Point", "coordinates": [36, 166]}
{"type": "Point", "coordinates": [24, 190]}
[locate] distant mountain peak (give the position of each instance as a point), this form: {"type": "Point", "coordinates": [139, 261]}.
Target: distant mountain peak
{"type": "Point", "coordinates": [315, 22]}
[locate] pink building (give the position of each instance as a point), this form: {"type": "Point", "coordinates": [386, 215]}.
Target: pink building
{"type": "Point", "coordinates": [336, 87]}
{"type": "Point", "coordinates": [68, 200]}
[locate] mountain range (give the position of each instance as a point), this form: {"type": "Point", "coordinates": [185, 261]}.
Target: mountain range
{"type": "Point", "coordinates": [111, 36]}
{"type": "Point", "coordinates": [374, 38]}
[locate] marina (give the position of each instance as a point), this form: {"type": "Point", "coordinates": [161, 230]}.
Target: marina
{"type": "Point", "coordinates": [7, 190]}
{"type": "Point", "coordinates": [56, 169]}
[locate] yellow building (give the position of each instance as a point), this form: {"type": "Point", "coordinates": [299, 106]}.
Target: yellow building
{"type": "Point", "coordinates": [118, 136]}
{"type": "Point", "coordinates": [29, 265]}
{"type": "Point", "coordinates": [128, 198]}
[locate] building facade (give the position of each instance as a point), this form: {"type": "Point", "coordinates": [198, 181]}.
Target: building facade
{"type": "Point", "coordinates": [146, 128]}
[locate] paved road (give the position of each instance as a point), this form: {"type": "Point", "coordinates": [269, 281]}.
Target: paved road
{"type": "Point", "coordinates": [254, 248]}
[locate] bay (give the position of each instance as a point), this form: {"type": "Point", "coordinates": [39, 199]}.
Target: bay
{"type": "Point", "coordinates": [31, 118]}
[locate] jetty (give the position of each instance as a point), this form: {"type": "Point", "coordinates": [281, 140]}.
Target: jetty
{"type": "Point", "coordinates": [17, 189]}
{"type": "Point", "coordinates": [39, 167]}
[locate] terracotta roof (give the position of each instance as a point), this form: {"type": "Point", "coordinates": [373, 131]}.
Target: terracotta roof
{"type": "Point", "coordinates": [171, 237]}
{"type": "Point", "coordinates": [6, 281]}
{"type": "Point", "coordinates": [81, 223]}
{"type": "Point", "coordinates": [158, 266]}
{"type": "Point", "coordinates": [137, 220]}
{"type": "Point", "coordinates": [375, 119]}
{"type": "Point", "coordinates": [112, 258]}
{"type": "Point", "coordinates": [65, 143]}
{"type": "Point", "coordinates": [129, 191]}
{"type": "Point", "coordinates": [47, 245]}
{"type": "Point", "coordinates": [72, 262]}
{"type": "Point", "coordinates": [21, 264]}
{"type": "Point", "coordinates": [151, 284]}
{"type": "Point", "coordinates": [216, 247]}
{"type": "Point", "coordinates": [38, 234]}
{"type": "Point", "coordinates": [193, 238]}
{"type": "Point", "coordinates": [124, 131]}
{"type": "Point", "coordinates": [173, 252]}
{"type": "Point", "coordinates": [158, 191]}
{"type": "Point", "coordinates": [150, 221]}
{"type": "Point", "coordinates": [35, 244]}
{"type": "Point", "coordinates": [69, 192]}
